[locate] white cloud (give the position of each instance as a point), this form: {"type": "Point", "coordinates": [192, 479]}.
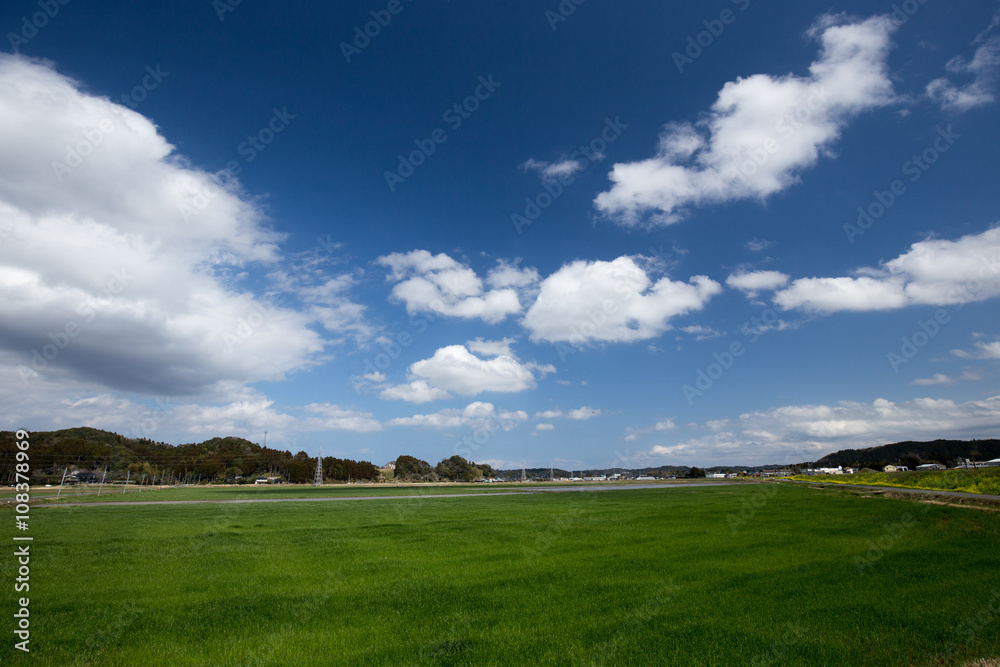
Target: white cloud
{"type": "Point", "coordinates": [417, 391]}
{"type": "Point", "coordinates": [611, 301]}
{"type": "Point", "coordinates": [551, 171]}
{"type": "Point", "coordinates": [126, 250]}
{"type": "Point", "coordinates": [439, 284]}
{"type": "Point", "coordinates": [665, 425]}
{"type": "Point", "coordinates": [336, 418]}
{"type": "Point", "coordinates": [752, 283]}
{"type": "Point", "coordinates": [700, 332]}
{"type": "Point", "coordinates": [477, 415]}
{"type": "Point", "coordinates": [757, 245]}
{"type": "Point", "coordinates": [491, 348]}
{"type": "Point", "coordinates": [932, 272]}
{"type": "Point", "coordinates": [456, 370]}
{"type": "Point", "coordinates": [942, 379]}
{"type": "Point", "coordinates": [984, 350]}
{"type": "Point", "coordinates": [584, 413]}
{"type": "Point", "coordinates": [507, 274]}
{"type": "Point", "coordinates": [236, 410]}
{"type": "Point", "coordinates": [761, 132]}
{"type": "Point", "coordinates": [580, 414]}
{"type": "Point", "coordinates": [983, 69]}
{"type": "Point", "coordinates": [545, 427]}
{"type": "Point", "coordinates": [801, 433]}
{"type": "Point", "coordinates": [660, 427]}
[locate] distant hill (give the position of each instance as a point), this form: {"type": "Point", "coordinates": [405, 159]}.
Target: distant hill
{"type": "Point", "coordinates": [217, 459]}
{"type": "Point", "coordinates": [948, 452]}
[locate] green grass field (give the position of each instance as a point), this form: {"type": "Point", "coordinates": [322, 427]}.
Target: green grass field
{"type": "Point", "coordinates": [761, 575]}
{"type": "Point", "coordinates": [983, 480]}
{"type": "Point", "coordinates": [114, 494]}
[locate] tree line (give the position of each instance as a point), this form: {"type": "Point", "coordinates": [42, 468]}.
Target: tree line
{"type": "Point", "coordinates": [216, 460]}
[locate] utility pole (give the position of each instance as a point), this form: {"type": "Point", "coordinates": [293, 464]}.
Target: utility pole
{"type": "Point", "coordinates": [61, 483]}
{"type": "Point", "coordinates": [318, 479]}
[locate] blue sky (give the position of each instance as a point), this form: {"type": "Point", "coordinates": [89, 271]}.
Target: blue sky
{"type": "Point", "coordinates": [579, 235]}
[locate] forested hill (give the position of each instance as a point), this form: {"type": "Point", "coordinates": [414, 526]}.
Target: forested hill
{"type": "Point", "coordinates": [217, 459]}
{"type": "Point", "coordinates": [948, 452]}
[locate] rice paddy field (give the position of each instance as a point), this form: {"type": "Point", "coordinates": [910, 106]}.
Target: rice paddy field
{"type": "Point", "coordinates": [722, 575]}
{"type": "Point", "coordinates": [118, 493]}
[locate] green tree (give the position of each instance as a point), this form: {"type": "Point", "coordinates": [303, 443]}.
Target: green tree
{"type": "Point", "coordinates": [411, 468]}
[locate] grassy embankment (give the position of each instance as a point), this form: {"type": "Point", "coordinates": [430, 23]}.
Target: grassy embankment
{"type": "Point", "coordinates": [983, 480]}
{"type": "Point", "coordinates": [755, 574]}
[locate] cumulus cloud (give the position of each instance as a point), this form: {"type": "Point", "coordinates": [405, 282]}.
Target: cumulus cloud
{"type": "Point", "coordinates": [456, 370]}
{"type": "Point", "coordinates": [477, 415]}
{"type": "Point", "coordinates": [983, 69]}
{"type": "Point", "coordinates": [802, 433]}
{"type": "Point", "coordinates": [752, 283]}
{"type": "Point", "coordinates": [545, 427]}
{"type": "Point", "coordinates": [932, 272]}
{"type": "Point", "coordinates": [613, 301]}
{"type": "Point", "coordinates": [127, 260]}
{"type": "Point", "coordinates": [416, 391]}
{"type": "Point", "coordinates": [762, 131]}
{"type": "Point", "coordinates": [439, 284]}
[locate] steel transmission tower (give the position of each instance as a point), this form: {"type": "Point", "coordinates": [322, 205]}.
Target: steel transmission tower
{"type": "Point", "coordinates": [318, 479]}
